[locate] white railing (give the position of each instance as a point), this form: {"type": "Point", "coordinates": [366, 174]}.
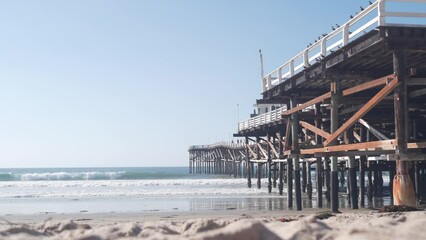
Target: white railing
{"type": "Point", "coordinates": [261, 119]}
{"type": "Point", "coordinates": [371, 17]}
{"type": "Point", "coordinates": [234, 145]}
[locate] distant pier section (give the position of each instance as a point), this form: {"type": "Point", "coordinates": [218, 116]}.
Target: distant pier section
{"type": "Point", "coordinates": [351, 108]}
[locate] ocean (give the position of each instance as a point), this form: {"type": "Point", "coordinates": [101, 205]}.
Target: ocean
{"type": "Point", "coordinates": [133, 190]}
{"type": "Point", "coordinates": [124, 190]}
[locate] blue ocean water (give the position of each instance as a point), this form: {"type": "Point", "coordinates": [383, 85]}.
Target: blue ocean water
{"type": "Point", "coordinates": [129, 190]}
{"type": "Point", "coordinates": [103, 190]}
{"type": "Point", "coordinates": [119, 173]}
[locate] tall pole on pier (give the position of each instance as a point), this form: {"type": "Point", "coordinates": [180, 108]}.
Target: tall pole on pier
{"type": "Point", "coordinates": [261, 64]}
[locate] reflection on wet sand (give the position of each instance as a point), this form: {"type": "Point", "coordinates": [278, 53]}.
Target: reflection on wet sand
{"type": "Point", "coordinates": [272, 203]}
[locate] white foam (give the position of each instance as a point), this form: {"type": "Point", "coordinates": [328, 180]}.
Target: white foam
{"type": "Point", "coordinates": [70, 176]}
{"type": "Point", "coordinates": [127, 188]}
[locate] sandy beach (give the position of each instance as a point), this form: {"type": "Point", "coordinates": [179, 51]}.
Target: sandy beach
{"type": "Point", "coordinates": [248, 225]}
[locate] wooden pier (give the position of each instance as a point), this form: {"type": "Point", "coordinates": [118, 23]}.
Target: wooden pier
{"type": "Point", "coordinates": [352, 103]}
{"type": "Point", "coordinates": [220, 159]}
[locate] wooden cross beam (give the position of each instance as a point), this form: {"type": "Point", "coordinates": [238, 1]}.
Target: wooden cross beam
{"type": "Point", "coordinates": [346, 92]}
{"type": "Point", "coordinates": [364, 110]}
{"type": "Point", "coordinates": [368, 85]}
{"type": "Point", "coordinates": [416, 82]}
{"type": "Point", "coordinates": [262, 150]}
{"type": "Point", "coordinates": [271, 145]}
{"type": "Point", "coordinates": [357, 136]}
{"type": "Point", "coordinates": [307, 104]}
{"type": "Point", "coordinates": [252, 152]}
{"type": "Point", "coordinates": [353, 146]}
{"type": "Point", "coordinates": [374, 131]}
{"type": "Point", "coordinates": [314, 129]}
{"type": "Point", "coordinates": [232, 155]}
{"type": "Point", "coordinates": [417, 93]}
{"type": "Point", "coordinates": [308, 141]}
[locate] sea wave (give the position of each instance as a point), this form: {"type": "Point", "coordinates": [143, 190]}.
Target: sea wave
{"type": "Point", "coordinates": [6, 176]}
{"type": "Point", "coordinates": [87, 175]}
{"type": "Point", "coordinates": [70, 176]}
{"type": "Point", "coordinates": [126, 188]}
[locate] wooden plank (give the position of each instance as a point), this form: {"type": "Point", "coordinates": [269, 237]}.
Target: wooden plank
{"type": "Point", "coordinates": [364, 110]}
{"type": "Point", "coordinates": [354, 153]}
{"type": "Point", "coordinates": [416, 145]}
{"type": "Point", "coordinates": [252, 152]}
{"type": "Point", "coordinates": [350, 109]}
{"type": "Point", "coordinates": [416, 82]}
{"type": "Point", "coordinates": [357, 137]}
{"type": "Point", "coordinates": [407, 157]}
{"type": "Point", "coordinates": [259, 161]}
{"type": "Point", "coordinates": [374, 131]}
{"type": "Point", "coordinates": [354, 146]}
{"type": "Point", "coordinates": [417, 93]}
{"type": "Point", "coordinates": [314, 129]}
{"type": "Point", "coordinates": [273, 149]}
{"type": "Point", "coordinates": [262, 150]}
{"type": "Point", "coordinates": [307, 104]}
{"type": "Point", "coordinates": [231, 154]}
{"type": "Point", "coordinates": [287, 134]}
{"type": "Point", "coordinates": [368, 85]}
{"type": "Point", "coordinates": [308, 141]}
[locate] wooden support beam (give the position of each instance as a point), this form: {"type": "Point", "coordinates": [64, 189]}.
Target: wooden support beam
{"type": "Point", "coordinates": [259, 145]}
{"type": "Point", "coordinates": [417, 93]}
{"type": "Point", "coordinates": [407, 157]}
{"type": "Point", "coordinates": [354, 153]}
{"type": "Point", "coordinates": [350, 109]}
{"type": "Point", "coordinates": [334, 115]}
{"type": "Point", "coordinates": [295, 146]}
{"type": "Point", "coordinates": [416, 145]}
{"type": "Point", "coordinates": [374, 131]}
{"type": "Point", "coordinates": [231, 154]}
{"type": "Point", "coordinates": [382, 145]}
{"type": "Point", "coordinates": [287, 134]}
{"type": "Point", "coordinates": [319, 165]}
{"type": "Point", "coordinates": [314, 129]}
{"type": "Point", "coordinates": [357, 136]}
{"type": "Point", "coordinates": [364, 110]}
{"type": "Point", "coordinates": [272, 147]}
{"type": "Point", "coordinates": [307, 104]}
{"type": "Point", "coordinates": [248, 167]}
{"type": "Point", "coordinates": [349, 91]}
{"type": "Point", "coordinates": [281, 164]}
{"type": "Point", "coordinates": [403, 191]}
{"type": "Point", "coordinates": [368, 85]}
{"type": "Point", "coordinates": [308, 141]}
{"type": "Point", "coordinates": [416, 82]}
{"type": "Point", "coordinates": [251, 151]}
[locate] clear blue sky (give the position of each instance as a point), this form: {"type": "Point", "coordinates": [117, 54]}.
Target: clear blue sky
{"type": "Point", "coordinates": [134, 83]}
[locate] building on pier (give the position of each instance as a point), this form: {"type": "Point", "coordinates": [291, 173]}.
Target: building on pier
{"type": "Point", "coordinates": [353, 101]}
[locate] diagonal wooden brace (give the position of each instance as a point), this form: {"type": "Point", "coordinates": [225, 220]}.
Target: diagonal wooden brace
{"type": "Point", "coordinates": [364, 110]}
{"type": "Point", "coordinates": [314, 129]}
